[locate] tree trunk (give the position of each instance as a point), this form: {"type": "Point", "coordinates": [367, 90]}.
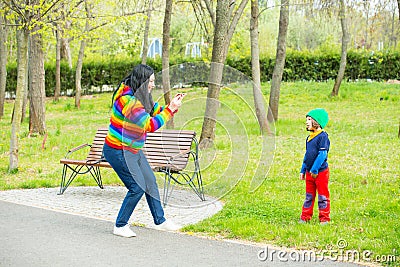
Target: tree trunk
{"type": "Point", "coordinates": [223, 32]}
{"type": "Point", "coordinates": [233, 24]}
{"type": "Point", "coordinates": [255, 69]}
{"type": "Point", "coordinates": [279, 62]}
{"type": "Point", "coordinates": [217, 66]}
{"type": "Point", "coordinates": [165, 57]}
{"type": "Point", "coordinates": [3, 63]}
{"type": "Point", "coordinates": [22, 55]}
{"type": "Point", "coordinates": [78, 73]}
{"type": "Point", "coordinates": [146, 33]}
{"type": "Point", "coordinates": [26, 90]}
{"type": "Point", "coordinates": [392, 38]}
{"type": "Point", "coordinates": [37, 94]}
{"type": "Point", "coordinates": [398, 7]}
{"type": "Point", "coordinates": [57, 90]}
{"type": "Point", "coordinates": [66, 51]}
{"type": "Point", "coordinates": [343, 57]}
{"type": "Point", "coordinates": [366, 8]}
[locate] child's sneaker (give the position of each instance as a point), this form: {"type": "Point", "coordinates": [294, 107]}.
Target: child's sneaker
{"type": "Point", "coordinates": [301, 221]}
{"type": "Point", "coordinates": [124, 231]}
{"type": "Point", "coordinates": [168, 225]}
{"type": "Point", "coordinates": [324, 223]}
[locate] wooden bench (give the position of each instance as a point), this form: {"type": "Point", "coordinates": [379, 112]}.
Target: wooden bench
{"type": "Point", "coordinates": [167, 151]}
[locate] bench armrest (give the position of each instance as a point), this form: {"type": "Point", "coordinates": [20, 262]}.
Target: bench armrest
{"type": "Point", "coordinates": [184, 152]}
{"type": "Point", "coordinates": [76, 149]}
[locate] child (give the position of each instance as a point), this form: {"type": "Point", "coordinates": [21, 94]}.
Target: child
{"type": "Point", "coordinates": [315, 167]}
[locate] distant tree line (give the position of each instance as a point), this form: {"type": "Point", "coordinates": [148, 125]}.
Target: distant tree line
{"type": "Point", "coordinates": [299, 66]}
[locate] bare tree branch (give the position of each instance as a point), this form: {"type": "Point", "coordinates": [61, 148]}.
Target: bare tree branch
{"type": "Point", "coordinates": [211, 11]}
{"type": "Point", "coordinates": [235, 21]}
{"type": "Point", "coordinates": [200, 16]}
{"type": "Point", "coordinates": [50, 8]}
{"type": "Point", "coordinates": [13, 6]}
{"type": "Point", "coordinates": [398, 7]}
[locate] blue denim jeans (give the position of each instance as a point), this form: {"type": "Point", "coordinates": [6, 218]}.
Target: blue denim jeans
{"type": "Point", "coordinates": [138, 177]}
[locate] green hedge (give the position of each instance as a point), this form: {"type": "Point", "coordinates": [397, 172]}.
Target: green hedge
{"type": "Point", "coordinates": [299, 66]}
{"type": "Point", "coordinates": [322, 67]}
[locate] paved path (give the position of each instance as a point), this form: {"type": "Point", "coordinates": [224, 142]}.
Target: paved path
{"type": "Point", "coordinates": [104, 204]}
{"type": "Point", "coordinates": [40, 228]}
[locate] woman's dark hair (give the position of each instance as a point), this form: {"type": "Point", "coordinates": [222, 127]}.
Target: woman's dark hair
{"type": "Point", "coordinates": [138, 81]}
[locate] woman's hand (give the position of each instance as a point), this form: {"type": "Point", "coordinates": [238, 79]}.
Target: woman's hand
{"type": "Point", "coordinates": [176, 102]}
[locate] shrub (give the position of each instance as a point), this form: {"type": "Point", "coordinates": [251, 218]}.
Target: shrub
{"type": "Point", "coordinates": [300, 65]}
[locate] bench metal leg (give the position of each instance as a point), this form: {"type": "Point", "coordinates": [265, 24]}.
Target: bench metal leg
{"type": "Point", "coordinates": [167, 188]}
{"type": "Point", "coordinates": [65, 183]}
{"type": "Point", "coordinates": [93, 170]}
{"type": "Point", "coordinates": [194, 181]}
{"type": "Point", "coordinates": [196, 186]}
{"type": "Point", "coordinates": [199, 190]}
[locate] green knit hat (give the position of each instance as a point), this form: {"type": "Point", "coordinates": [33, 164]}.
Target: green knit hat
{"type": "Point", "coordinates": [320, 116]}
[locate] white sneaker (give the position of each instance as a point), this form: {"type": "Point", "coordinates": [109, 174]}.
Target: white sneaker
{"type": "Point", "coordinates": [124, 231]}
{"type": "Point", "coordinates": [168, 225]}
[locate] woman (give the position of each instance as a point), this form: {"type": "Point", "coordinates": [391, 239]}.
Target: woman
{"type": "Point", "coordinates": [133, 115]}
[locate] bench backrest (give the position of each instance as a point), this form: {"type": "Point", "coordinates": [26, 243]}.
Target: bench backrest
{"type": "Point", "coordinates": [160, 146]}
{"type": "Point", "coordinates": [96, 151]}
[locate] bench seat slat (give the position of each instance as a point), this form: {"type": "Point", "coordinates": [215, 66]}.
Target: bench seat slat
{"type": "Point", "coordinates": [166, 159]}
{"type": "Point", "coordinates": [151, 158]}
{"type": "Point", "coordinates": [168, 149]}
{"type": "Point", "coordinates": [96, 150]}
{"type": "Point", "coordinates": [172, 132]}
{"type": "Point", "coordinates": [171, 139]}
{"type": "Point", "coordinates": [169, 152]}
{"type": "Point", "coordinates": [166, 145]}
{"type": "Point", "coordinates": [85, 162]}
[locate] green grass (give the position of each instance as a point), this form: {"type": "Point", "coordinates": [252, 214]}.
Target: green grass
{"type": "Point", "coordinates": [364, 162]}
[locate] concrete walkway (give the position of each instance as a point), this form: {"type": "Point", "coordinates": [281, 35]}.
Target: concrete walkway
{"type": "Point", "coordinates": [40, 228]}
{"type": "Point", "coordinates": [184, 207]}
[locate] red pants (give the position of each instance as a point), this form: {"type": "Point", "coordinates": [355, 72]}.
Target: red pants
{"type": "Point", "coordinates": [314, 185]}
